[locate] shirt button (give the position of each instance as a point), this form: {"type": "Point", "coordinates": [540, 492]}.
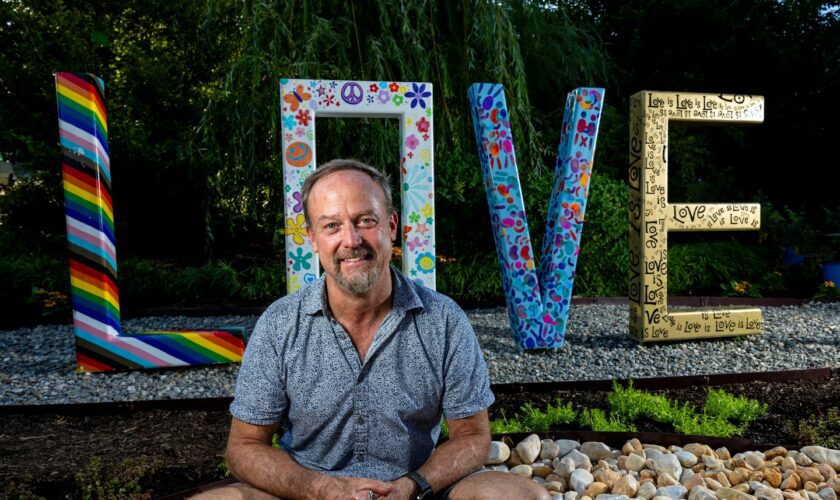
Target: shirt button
{"type": "Point", "coordinates": [361, 420]}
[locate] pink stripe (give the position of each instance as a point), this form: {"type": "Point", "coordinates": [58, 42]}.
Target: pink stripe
{"type": "Point", "coordinates": [120, 343]}
{"type": "Point", "coordinates": [93, 241]}
{"type": "Point", "coordinates": [66, 134]}
{"type": "Point", "coordinates": [90, 146]}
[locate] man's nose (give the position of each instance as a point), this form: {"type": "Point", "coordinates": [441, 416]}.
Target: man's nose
{"type": "Point", "coordinates": [350, 236]}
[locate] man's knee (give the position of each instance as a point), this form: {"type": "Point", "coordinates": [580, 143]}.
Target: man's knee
{"type": "Point", "coordinates": [495, 485]}
{"type": "Point", "coordinates": [236, 491]}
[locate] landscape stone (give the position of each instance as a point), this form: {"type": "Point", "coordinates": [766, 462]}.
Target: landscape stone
{"type": "Point", "coordinates": [570, 495]}
{"type": "Point", "coordinates": [595, 450]}
{"type": "Point", "coordinates": [635, 462]}
{"type": "Point", "coordinates": [768, 494]}
{"type": "Point", "coordinates": [666, 479]}
{"type": "Point", "coordinates": [810, 474]}
{"type": "Point", "coordinates": [754, 458]}
{"type": "Point", "coordinates": [596, 488]}
{"type": "Point", "coordinates": [822, 455]}
{"type": "Point", "coordinates": [580, 479]}
{"type": "Point", "coordinates": [810, 486]}
{"type": "Point", "coordinates": [742, 487]}
{"type": "Point", "coordinates": [538, 480]}
{"type": "Point", "coordinates": [541, 470]}
{"type": "Point", "coordinates": [514, 459]}
{"type": "Point", "coordinates": [631, 446]}
{"type": "Point", "coordinates": [778, 451]}
{"type": "Point", "coordinates": [826, 470]}
{"type": "Point", "coordinates": [606, 476]}
{"type": "Point", "coordinates": [827, 494]}
{"type": "Point", "coordinates": [773, 477]}
{"type": "Point", "coordinates": [701, 493]}
{"type": "Point", "coordinates": [697, 449]}
{"type": "Point", "coordinates": [555, 486]}
{"type": "Point", "coordinates": [695, 480]}
{"type": "Point", "coordinates": [731, 494]}
{"type": "Point", "coordinates": [686, 475]}
{"type": "Point", "coordinates": [529, 449]}
{"type": "Point", "coordinates": [803, 460]}
{"type": "Point", "coordinates": [673, 491]}
{"type": "Point", "coordinates": [646, 490]}
{"type": "Point", "coordinates": [834, 484]}
{"type": "Point", "coordinates": [499, 453]}
{"type": "Point", "coordinates": [626, 485]}
{"type": "Point", "coordinates": [566, 445]}
{"type": "Point", "coordinates": [564, 467]}
{"type": "Point", "coordinates": [792, 482]}
{"type": "Point", "coordinates": [686, 458]}
{"type": "Point", "coordinates": [580, 460]}
{"type": "Point", "coordinates": [550, 449]}
{"type": "Point", "coordinates": [522, 470]}
{"type": "Point", "coordinates": [606, 496]}
{"type": "Point", "coordinates": [713, 484]}
{"type": "Point", "coordinates": [667, 464]}
{"type": "Point", "coordinates": [723, 453]}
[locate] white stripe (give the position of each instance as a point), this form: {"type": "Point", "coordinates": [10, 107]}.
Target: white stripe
{"type": "Point", "coordinates": [95, 324]}
{"type": "Point", "coordinates": [100, 149]}
{"type": "Point", "coordinates": [139, 344]}
{"type": "Point", "coordinates": [92, 231]}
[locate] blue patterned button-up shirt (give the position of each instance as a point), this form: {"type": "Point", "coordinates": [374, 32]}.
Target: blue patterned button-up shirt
{"type": "Point", "coordinates": [377, 419]}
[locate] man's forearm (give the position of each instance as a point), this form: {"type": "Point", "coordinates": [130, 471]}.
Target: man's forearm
{"type": "Point", "coordinates": [272, 470]}
{"type": "Point", "coordinates": [454, 459]}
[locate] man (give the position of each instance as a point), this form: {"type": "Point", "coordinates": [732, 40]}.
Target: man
{"type": "Point", "coordinates": [358, 368]}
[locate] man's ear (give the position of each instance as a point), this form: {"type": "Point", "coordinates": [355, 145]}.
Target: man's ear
{"type": "Point", "coordinates": [393, 220]}
{"type": "Point", "coordinates": [312, 238]}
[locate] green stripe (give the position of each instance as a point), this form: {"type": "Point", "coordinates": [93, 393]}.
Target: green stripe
{"type": "Point", "coordinates": [70, 103]}
{"type": "Point", "coordinates": [197, 348]}
{"type": "Point", "coordinates": [100, 301]}
{"type": "Point", "coordinates": [90, 206]}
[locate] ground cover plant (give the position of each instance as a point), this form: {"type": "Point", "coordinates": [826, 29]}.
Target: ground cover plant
{"type": "Point", "coordinates": [723, 415]}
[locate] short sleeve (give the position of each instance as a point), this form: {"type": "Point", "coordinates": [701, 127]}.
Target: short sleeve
{"type": "Point", "coordinates": [260, 397]}
{"type": "Point", "coordinates": [467, 382]}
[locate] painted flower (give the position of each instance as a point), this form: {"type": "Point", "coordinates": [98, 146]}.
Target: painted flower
{"type": "Point", "coordinates": [425, 154]}
{"type": "Point", "coordinates": [299, 205]}
{"type": "Point", "coordinates": [294, 284]}
{"type": "Point", "coordinates": [425, 262]}
{"type": "Point", "coordinates": [411, 142]}
{"type": "Point", "coordinates": [295, 228]}
{"type": "Point", "coordinates": [333, 85]}
{"type": "Point", "coordinates": [300, 132]}
{"type": "Point", "coordinates": [410, 154]}
{"type": "Point", "coordinates": [418, 95]}
{"type": "Point", "coordinates": [300, 260]}
{"type": "Point", "coordinates": [370, 99]}
{"type": "Point", "coordinates": [303, 117]}
{"type": "Point", "coordinates": [393, 86]}
{"type": "Point", "coordinates": [384, 96]}
{"type": "Point", "coordinates": [423, 125]}
{"type": "Point", "coordinates": [422, 229]}
{"type": "Point", "coordinates": [398, 99]}
{"type": "Point", "coordinates": [414, 217]}
{"type": "Point", "coordinates": [289, 137]}
{"type": "Point", "coordinates": [289, 122]}
{"type": "Point", "coordinates": [427, 210]}
{"type": "Point", "coordinates": [415, 243]}
{"type": "Point", "coordinates": [373, 87]}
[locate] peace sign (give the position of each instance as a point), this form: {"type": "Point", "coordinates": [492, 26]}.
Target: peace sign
{"type": "Point", "coordinates": [352, 93]}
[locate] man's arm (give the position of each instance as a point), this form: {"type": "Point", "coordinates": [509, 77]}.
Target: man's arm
{"type": "Point", "coordinates": [253, 460]}
{"type": "Point", "coordinates": [464, 453]}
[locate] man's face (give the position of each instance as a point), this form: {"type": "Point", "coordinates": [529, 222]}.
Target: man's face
{"type": "Point", "coordinates": [351, 229]}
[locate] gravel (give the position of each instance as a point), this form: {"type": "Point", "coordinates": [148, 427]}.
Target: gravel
{"type": "Point", "coordinates": [38, 364]}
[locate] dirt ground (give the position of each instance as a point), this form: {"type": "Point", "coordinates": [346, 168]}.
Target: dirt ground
{"type": "Point", "coordinates": [44, 452]}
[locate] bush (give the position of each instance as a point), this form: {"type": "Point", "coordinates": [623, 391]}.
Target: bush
{"type": "Point", "coordinates": [818, 429]}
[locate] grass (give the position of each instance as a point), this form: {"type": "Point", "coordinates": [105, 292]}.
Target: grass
{"type": "Point", "coordinates": [723, 415]}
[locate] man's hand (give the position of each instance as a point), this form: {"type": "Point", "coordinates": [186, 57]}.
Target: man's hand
{"type": "Point", "coordinates": [355, 488]}
{"type": "Point", "coordinates": [404, 489]}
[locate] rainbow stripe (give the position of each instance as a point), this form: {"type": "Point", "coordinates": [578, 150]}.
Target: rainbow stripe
{"type": "Point", "coordinates": [89, 214]}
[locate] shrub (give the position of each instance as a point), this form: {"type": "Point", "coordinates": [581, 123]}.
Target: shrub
{"type": "Point", "coordinates": [818, 429]}
{"type": "Point", "coordinates": [122, 480]}
{"type": "Point", "coordinates": [598, 421]}
{"type": "Point", "coordinates": [723, 405]}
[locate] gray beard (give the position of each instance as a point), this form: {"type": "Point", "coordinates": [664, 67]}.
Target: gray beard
{"type": "Point", "coordinates": [363, 280]}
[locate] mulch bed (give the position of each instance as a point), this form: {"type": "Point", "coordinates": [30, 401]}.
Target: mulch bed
{"type": "Point", "coordinates": [45, 451]}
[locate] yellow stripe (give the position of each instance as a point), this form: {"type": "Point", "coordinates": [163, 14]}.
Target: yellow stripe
{"type": "Point", "coordinates": [200, 340]}
{"type": "Point", "coordinates": [93, 290]}
{"type": "Point", "coordinates": [84, 101]}
{"type": "Point", "coordinates": [85, 195]}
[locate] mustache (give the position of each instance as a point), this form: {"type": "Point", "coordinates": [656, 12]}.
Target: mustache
{"type": "Point", "coordinates": [360, 252]}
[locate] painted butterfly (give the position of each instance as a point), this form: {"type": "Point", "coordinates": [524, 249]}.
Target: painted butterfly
{"type": "Point", "coordinates": [296, 97]}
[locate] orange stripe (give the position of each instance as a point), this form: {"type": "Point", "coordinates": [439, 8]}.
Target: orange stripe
{"type": "Point", "coordinates": [96, 278]}
{"type": "Point", "coordinates": [87, 183]}
{"type": "Point", "coordinates": [225, 340]}
{"type": "Point", "coordinates": [85, 89]}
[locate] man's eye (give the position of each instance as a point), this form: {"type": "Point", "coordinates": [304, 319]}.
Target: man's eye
{"type": "Point", "coordinates": [331, 226]}
{"type": "Point", "coordinates": [367, 222]}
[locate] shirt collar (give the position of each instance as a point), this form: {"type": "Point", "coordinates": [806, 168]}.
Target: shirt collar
{"type": "Point", "coordinates": [314, 298]}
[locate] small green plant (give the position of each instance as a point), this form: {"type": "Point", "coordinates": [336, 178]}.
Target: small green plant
{"type": "Point", "coordinates": [630, 403]}
{"type": "Point", "coordinates": [537, 420]}
{"type": "Point", "coordinates": [818, 430]}
{"type": "Point", "coordinates": [739, 409]}
{"type": "Point", "coordinates": [444, 428]}
{"type": "Point", "coordinates": [598, 421]}
{"type": "Point", "coordinates": [686, 420]}
{"type": "Point", "coordinates": [827, 290]}
{"type": "Point", "coordinates": [505, 426]}
{"type": "Point", "coordinates": [118, 481]}
{"type": "Point", "coordinates": [14, 490]}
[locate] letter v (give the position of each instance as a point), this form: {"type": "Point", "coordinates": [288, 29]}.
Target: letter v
{"type": "Point", "coordinates": [538, 307]}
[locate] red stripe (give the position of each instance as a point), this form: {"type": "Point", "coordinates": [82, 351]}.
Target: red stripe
{"type": "Point", "coordinates": [86, 364]}
{"type": "Point", "coordinates": [224, 339]}
{"type": "Point", "coordinates": [88, 183]}
{"type": "Point", "coordinates": [94, 277]}
{"type": "Point", "coordinates": [84, 88]}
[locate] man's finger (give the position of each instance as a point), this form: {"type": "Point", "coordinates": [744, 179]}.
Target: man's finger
{"type": "Point", "coordinates": [378, 487]}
